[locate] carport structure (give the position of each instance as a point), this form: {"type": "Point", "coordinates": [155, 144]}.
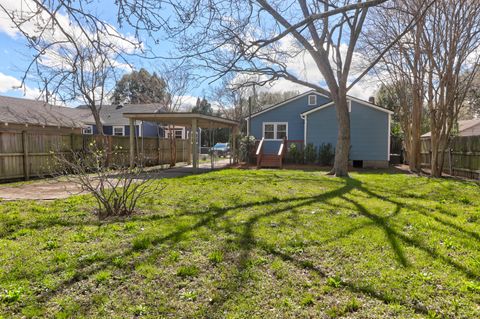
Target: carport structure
{"type": "Point", "coordinates": [190, 120]}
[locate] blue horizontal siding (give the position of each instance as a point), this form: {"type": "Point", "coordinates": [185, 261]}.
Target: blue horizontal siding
{"type": "Point", "coordinates": [368, 131]}
{"type": "Point", "coordinates": [290, 113]}
{"type": "Point", "coordinates": [149, 129]}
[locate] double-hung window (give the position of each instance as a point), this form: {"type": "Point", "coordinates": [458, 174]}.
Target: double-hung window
{"type": "Point", "coordinates": [275, 130]}
{"type": "Point", "coordinates": [118, 130]}
{"type": "Point", "coordinates": [88, 130]}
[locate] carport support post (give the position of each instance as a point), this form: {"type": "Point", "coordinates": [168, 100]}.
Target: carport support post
{"type": "Point", "coordinates": [132, 142]}
{"type": "Point", "coordinates": [234, 144]}
{"type": "Point", "coordinates": [194, 145]}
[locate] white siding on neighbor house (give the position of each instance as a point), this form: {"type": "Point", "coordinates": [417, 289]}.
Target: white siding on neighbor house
{"type": "Point", "coordinates": [471, 131]}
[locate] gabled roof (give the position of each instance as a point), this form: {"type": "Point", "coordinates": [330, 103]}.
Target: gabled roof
{"type": "Point", "coordinates": [113, 114]}
{"type": "Point", "coordinates": [462, 126]}
{"type": "Point", "coordinates": [321, 106]}
{"type": "Point", "coordinates": [24, 111]}
{"type": "Point", "coordinates": [351, 98]}
{"type": "Point", "coordinates": [288, 101]}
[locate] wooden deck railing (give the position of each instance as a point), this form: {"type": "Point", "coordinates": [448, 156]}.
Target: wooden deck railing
{"type": "Point", "coordinates": [259, 152]}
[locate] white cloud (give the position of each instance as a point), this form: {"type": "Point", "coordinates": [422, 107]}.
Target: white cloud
{"type": "Point", "coordinates": [11, 86]}
{"type": "Point", "coordinates": [42, 26]}
{"type": "Point", "coordinates": [187, 102]}
{"type": "Point", "coordinates": [301, 64]}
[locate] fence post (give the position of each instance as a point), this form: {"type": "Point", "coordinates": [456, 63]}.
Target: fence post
{"type": "Point", "coordinates": [26, 160]}
{"type": "Point", "coordinates": [109, 150]}
{"type": "Point", "coordinates": [72, 142]}
{"type": "Point", "coordinates": [158, 149]}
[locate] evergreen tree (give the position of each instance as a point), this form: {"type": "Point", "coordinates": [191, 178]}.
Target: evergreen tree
{"type": "Point", "coordinates": [140, 87]}
{"type": "Point", "coordinates": [203, 107]}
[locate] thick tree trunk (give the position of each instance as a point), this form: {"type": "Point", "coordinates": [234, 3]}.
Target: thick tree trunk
{"type": "Point", "coordinates": [98, 121]}
{"type": "Point", "coordinates": [342, 149]}
{"type": "Point", "coordinates": [415, 145]}
{"type": "Point", "coordinates": [437, 167]}
{"type": "Point", "coordinates": [434, 145]}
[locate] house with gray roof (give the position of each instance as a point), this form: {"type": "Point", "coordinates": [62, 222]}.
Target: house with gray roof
{"type": "Point", "coordinates": [310, 118]}
{"type": "Point", "coordinates": [465, 128]}
{"type": "Point", "coordinates": [115, 124]}
{"type": "Point", "coordinates": [33, 115]}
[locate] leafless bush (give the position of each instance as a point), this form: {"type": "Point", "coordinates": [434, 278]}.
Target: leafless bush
{"type": "Point", "coordinates": [116, 187]}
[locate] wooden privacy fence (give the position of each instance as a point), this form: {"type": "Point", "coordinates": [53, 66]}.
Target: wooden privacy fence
{"type": "Point", "coordinates": [461, 159]}
{"type": "Point", "coordinates": [29, 154]}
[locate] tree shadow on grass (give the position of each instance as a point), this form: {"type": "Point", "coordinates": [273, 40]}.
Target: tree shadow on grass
{"type": "Point", "coordinates": [394, 236]}
{"type": "Point", "coordinates": [425, 212]}
{"type": "Point", "coordinates": [87, 269]}
{"type": "Point", "coordinates": [248, 242]}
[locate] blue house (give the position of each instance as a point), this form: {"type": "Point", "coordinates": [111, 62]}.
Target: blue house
{"type": "Point", "coordinates": [310, 118]}
{"type": "Point", "coordinates": [115, 124]}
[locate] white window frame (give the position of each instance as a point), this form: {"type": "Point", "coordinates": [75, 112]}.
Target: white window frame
{"type": "Point", "coordinates": [175, 131]}
{"type": "Point", "coordinates": [349, 105]}
{"type": "Point", "coordinates": [314, 103]}
{"type": "Point", "coordinates": [275, 130]}
{"type": "Point", "coordinates": [89, 127]}
{"type": "Point", "coordinates": [116, 127]}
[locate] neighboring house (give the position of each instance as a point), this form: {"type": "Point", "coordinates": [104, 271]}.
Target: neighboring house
{"type": "Point", "coordinates": [465, 128]}
{"type": "Point", "coordinates": [115, 124]}
{"type": "Point", "coordinates": [179, 131]}
{"type": "Point", "coordinates": [18, 114]}
{"type": "Point", "coordinates": [310, 118]}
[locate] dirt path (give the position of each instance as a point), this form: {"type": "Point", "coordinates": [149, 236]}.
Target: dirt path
{"type": "Point", "coordinates": [50, 189]}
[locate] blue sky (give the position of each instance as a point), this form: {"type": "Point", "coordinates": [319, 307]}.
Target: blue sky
{"type": "Point", "coordinates": [15, 56]}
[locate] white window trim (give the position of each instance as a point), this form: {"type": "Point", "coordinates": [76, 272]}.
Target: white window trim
{"type": "Point", "coordinates": [181, 130]}
{"type": "Point", "coordinates": [89, 127]}
{"type": "Point", "coordinates": [349, 105]}
{"type": "Point", "coordinates": [388, 136]}
{"type": "Point", "coordinates": [140, 129]}
{"type": "Point", "coordinates": [275, 124]}
{"type": "Point", "coordinates": [118, 126]}
{"type": "Point", "coordinates": [314, 101]}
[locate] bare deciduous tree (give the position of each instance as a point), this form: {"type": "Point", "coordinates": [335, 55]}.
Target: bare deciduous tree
{"type": "Point", "coordinates": [261, 38]}
{"type": "Point", "coordinates": [451, 42]}
{"type": "Point", "coordinates": [178, 80]}
{"type": "Point", "coordinates": [437, 62]}
{"type": "Point", "coordinates": [75, 53]}
{"type": "Point", "coordinates": [258, 38]}
{"type": "Point", "coordinates": [404, 66]}
{"type": "Point", "coordinates": [116, 188]}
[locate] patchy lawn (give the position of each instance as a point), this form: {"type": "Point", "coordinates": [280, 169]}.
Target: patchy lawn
{"type": "Point", "coordinates": [251, 244]}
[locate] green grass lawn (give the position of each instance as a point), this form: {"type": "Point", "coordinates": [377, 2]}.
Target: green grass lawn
{"type": "Point", "coordinates": [251, 244]}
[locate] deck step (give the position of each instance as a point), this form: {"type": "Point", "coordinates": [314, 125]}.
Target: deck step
{"type": "Point", "coordinates": [271, 160]}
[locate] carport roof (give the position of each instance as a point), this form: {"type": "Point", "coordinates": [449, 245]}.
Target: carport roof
{"type": "Point", "coordinates": [183, 119]}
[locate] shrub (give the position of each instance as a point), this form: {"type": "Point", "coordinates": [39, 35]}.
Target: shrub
{"type": "Point", "coordinates": [295, 154]}
{"type": "Point", "coordinates": [247, 148]}
{"type": "Point", "coordinates": [310, 154]}
{"type": "Point", "coordinates": [115, 187]}
{"type": "Point", "coordinates": [326, 154]}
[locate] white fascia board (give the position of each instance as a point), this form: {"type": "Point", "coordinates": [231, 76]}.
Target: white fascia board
{"type": "Point", "coordinates": [288, 101]}
{"type": "Point", "coordinates": [317, 109]}
{"type": "Point", "coordinates": [373, 106]}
